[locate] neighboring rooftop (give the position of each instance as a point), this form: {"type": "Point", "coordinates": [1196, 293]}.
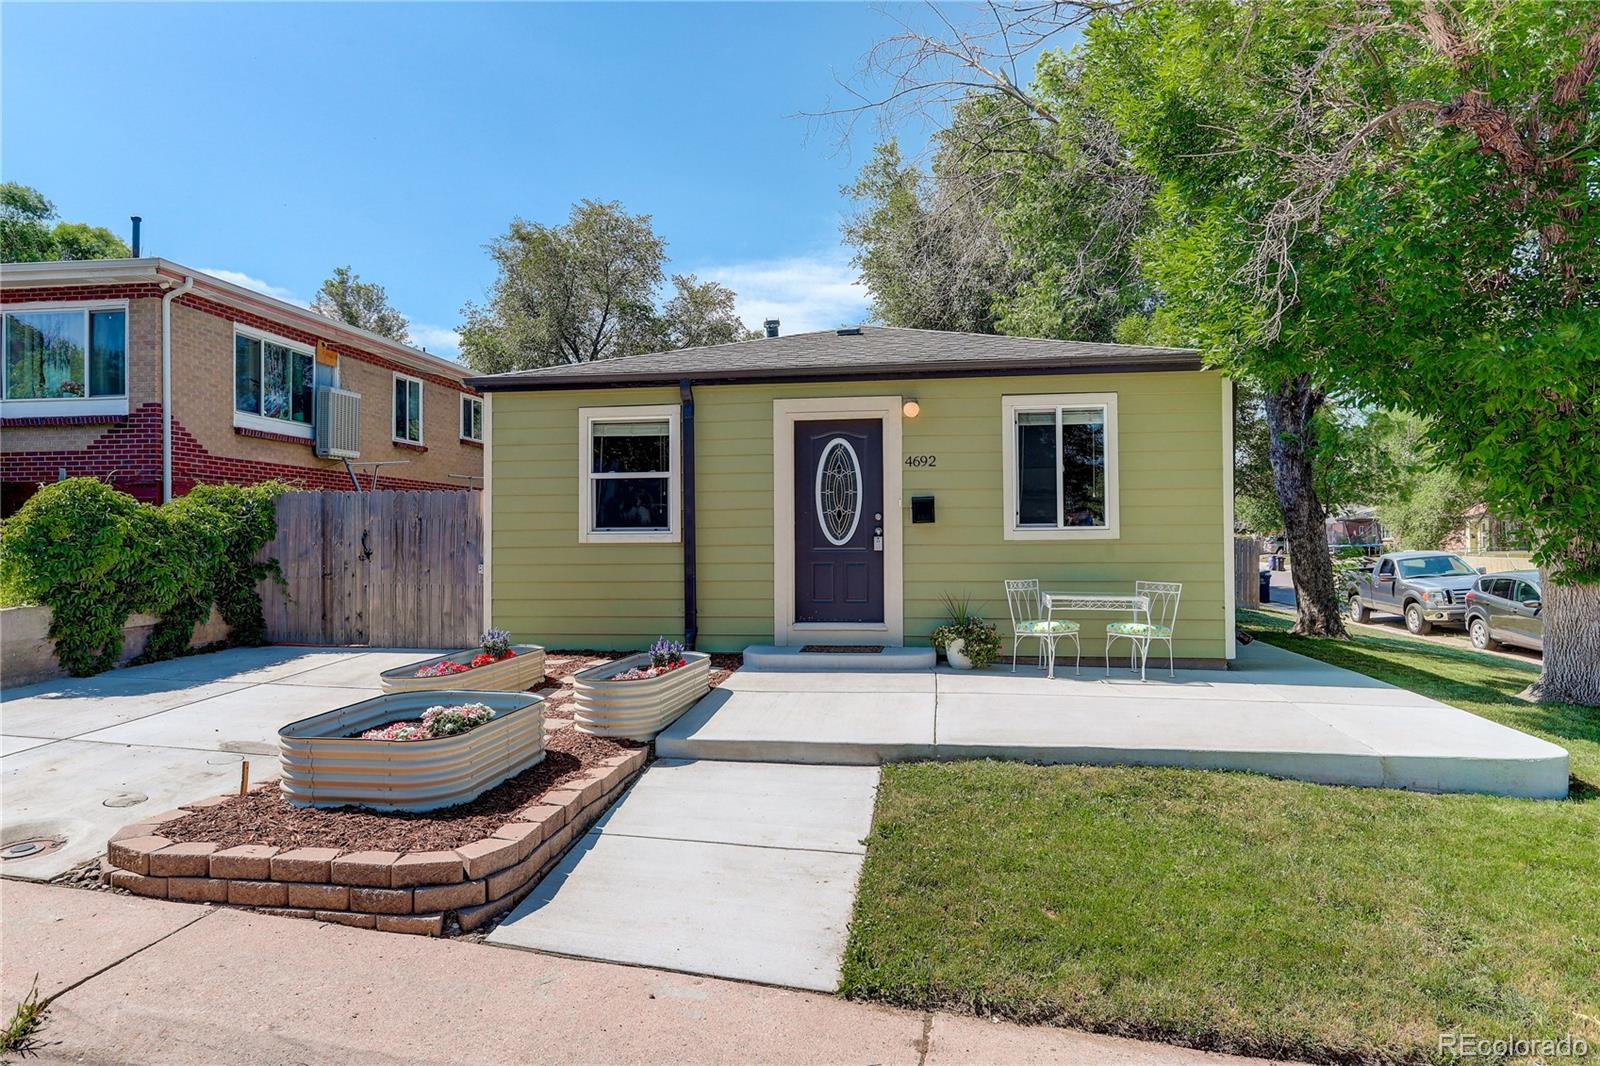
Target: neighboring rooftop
{"type": "Point", "coordinates": [864, 352]}
{"type": "Point", "coordinates": [167, 274]}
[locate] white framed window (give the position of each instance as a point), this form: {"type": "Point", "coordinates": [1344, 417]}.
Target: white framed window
{"type": "Point", "coordinates": [629, 484]}
{"type": "Point", "coordinates": [275, 382]}
{"type": "Point", "coordinates": [65, 359]}
{"type": "Point", "coordinates": [472, 418]}
{"type": "Point", "coordinates": [407, 419]}
{"type": "Point", "coordinates": [1060, 466]}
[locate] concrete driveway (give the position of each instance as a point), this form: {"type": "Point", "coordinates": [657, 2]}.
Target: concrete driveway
{"type": "Point", "coordinates": [82, 757]}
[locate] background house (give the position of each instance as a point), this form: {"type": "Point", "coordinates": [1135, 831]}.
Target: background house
{"type": "Point", "coordinates": [834, 487]}
{"type": "Point", "coordinates": [82, 388]}
{"type": "Point", "coordinates": [1356, 527]}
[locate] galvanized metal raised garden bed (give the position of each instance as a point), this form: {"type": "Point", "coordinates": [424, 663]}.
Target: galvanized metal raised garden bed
{"type": "Point", "coordinates": [523, 670]}
{"type": "Point", "coordinates": [324, 766]}
{"type": "Point", "coordinates": [638, 709]}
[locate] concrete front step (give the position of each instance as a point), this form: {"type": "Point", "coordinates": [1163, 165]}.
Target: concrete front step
{"type": "Point", "coordinates": [791, 658]}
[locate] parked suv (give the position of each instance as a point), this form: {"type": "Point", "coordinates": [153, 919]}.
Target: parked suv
{"type": "Point", "coordinates": [1506, 609]}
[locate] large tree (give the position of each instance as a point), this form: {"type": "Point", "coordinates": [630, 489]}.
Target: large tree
{"type": "Point", "coordinates": [700, 313]}
{"type": "Point", "coordinates": [571, 293]}
{"type": "Point", "coordinates": [364, 304]}
{"type": "Point", "coordinates": [928, 248]}
{"type": "Point", "coordinates": [586, 290]}
{"type": "Point", "coordinates": [1394, 202]}
{"type": "Point", "coordinates": [1399, 202]}
{"type": "Point", "coordinates": [30, 232]}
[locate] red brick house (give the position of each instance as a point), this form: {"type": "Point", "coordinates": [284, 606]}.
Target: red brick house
{"type": "Point", "coordinates": [259, 388]}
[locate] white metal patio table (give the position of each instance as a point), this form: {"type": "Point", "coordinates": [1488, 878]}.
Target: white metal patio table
{"type": "Point", "coordinates": [1092, 601]}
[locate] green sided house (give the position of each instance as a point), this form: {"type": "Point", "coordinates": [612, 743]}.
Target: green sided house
{"type": "Point", "coordinates": [835, 487]}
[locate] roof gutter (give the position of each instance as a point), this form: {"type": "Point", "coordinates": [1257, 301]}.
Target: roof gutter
{"type": "Point", "coordinates": [166, 384]}
{"type": "Point", "coordinates": [691, 580]}
{"type": "Point", "coordinates": [864, 372]}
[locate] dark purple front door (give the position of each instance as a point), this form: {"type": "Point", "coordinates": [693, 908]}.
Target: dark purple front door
{"type": "Point", "coordinates": [838, 519]}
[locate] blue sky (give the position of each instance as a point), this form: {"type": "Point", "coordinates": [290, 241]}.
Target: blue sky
{"type": "Point", "coordinates": [275, 142]}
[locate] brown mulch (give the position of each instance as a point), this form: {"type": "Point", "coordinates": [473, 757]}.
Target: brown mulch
{"type": "Point", "coordinates": [265, 817]}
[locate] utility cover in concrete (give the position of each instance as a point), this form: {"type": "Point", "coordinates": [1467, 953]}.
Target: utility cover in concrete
{"type": "Point", "coordinates": [743, 870]}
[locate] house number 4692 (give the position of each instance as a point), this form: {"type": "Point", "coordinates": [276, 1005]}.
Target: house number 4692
{"type": "Point", "coordinates": [922, 460]}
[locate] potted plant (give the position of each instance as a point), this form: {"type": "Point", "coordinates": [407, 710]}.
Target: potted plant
{"type": "Point", "coordinates": [639, 695]}
{"type": "Point", "coordinates": [968, 642]}
{"type": "Point", "coordinates": [495, 665]}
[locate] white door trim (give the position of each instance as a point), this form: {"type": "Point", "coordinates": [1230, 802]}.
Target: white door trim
{"type": "Point", "coordinates": [785, 413]}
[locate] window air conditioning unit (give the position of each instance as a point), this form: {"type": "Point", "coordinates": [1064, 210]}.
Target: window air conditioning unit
{"type": "Point", "coordinates": [338, 423]}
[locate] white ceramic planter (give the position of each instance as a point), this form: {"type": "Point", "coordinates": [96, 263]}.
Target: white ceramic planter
{"type": "Point", "coordinates": [324, 766]}
{"type": "Point", "coordinates": [522, 671]}
{"type": "Point", "coordinates": [956, 652]}
{"type": "Point", "coordinates": [637, 710]}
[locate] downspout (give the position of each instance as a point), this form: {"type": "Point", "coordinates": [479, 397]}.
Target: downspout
{"type": "Point", "coordinates": [691, 592]}
{"type": "Point", "coordinates": [166, 385]}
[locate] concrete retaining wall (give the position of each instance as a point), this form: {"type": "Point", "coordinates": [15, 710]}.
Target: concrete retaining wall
{"type": "Point", "coordinates": [27, 654]}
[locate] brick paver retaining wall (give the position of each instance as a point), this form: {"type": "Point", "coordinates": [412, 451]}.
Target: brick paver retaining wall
{"type": "Point", "coordinates": [408, 892]}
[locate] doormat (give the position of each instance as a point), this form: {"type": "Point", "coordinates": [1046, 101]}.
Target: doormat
{"type": "Point", "coordinates": [844, 649]}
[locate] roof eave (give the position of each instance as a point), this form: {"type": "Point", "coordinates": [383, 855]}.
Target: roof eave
{"type": "Point", "coordinates": [868, 372]}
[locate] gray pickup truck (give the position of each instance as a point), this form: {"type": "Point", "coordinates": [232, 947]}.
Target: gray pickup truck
{"type": "Point", "coordinates": [1425, 588]}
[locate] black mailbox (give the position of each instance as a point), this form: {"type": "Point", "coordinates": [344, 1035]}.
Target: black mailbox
{"type": "Point", "coordinates": [921, 509]}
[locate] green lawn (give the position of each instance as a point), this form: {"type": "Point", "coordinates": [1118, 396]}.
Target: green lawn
{"type": "Point", "coordinates": [1242, 913]}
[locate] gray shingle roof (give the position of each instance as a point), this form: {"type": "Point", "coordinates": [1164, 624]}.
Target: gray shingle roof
{"type": "Point", "coordinates": [874, 352]}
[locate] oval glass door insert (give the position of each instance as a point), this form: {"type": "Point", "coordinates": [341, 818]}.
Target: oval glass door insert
{"type": "Point", "coordinates": [838, 491]}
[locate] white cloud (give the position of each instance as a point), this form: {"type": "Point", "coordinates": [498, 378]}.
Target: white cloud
{"type": "Point", "coordinates": [804, 292]}
{"type": "Point", "coordinates": [437, 339]}
{"type": "Point", "coordinates": [265, 288]}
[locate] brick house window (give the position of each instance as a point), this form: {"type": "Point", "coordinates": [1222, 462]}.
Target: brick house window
{"type": "Point", "coordinates": [407, 409]}
{"type": "Point", "coordinates": [66, 360]}
{"type": "Point", "coordinates": [471, 418]}
{"type": "Point", "coordinates": [274, 383]}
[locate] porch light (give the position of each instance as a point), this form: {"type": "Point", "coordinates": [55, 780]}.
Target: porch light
{"type": "Point", "coordinates": [910, 408]}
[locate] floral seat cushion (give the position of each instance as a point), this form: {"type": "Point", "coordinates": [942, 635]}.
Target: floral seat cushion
{"type": "Point", "coordinates": [1140, 629]}
{"type": "Point", "coordinates": [1046, 627]}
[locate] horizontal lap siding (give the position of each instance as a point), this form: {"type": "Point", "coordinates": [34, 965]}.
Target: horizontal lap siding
{"type": "Point", "coordinates": [1170, 472]}
{"type": "Point", "coordinates": [549, 588]}
{"type": "Point", "coordinates": [1170, 450]}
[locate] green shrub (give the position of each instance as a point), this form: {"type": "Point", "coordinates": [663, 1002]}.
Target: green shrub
{"type": "Point", "coordinates": [94, 556]}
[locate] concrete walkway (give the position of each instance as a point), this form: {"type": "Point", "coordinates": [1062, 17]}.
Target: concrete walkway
{"type": "Point", "coordinates": [1275, 712]}
{"type": "Point", "coordinates": [743, 870]}
{"type": "Point", "coordinates": [82, 757]}
{"type": "Point", "coordinates": [144, 981]}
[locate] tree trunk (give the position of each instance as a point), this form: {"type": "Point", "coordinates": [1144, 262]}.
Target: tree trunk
{"type": "Point", "coordinates": [1289, 410]}
{"type": "Point", "coordinates": [1571, 616]}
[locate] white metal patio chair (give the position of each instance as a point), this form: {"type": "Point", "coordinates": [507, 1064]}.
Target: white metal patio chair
{"type": "Point", "coordinates": [1158, 624]}
{"type": "Point", "coordinates": [1030, 621]}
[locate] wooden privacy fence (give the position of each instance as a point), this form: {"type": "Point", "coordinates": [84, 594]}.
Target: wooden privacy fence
{"type": "Point", "coordinates": [386, 568]}
{"type": "Point", "coordinates": [1247, 552]}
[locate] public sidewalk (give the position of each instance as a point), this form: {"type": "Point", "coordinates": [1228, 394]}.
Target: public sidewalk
{"type": "Point", "coordinates": [146, 981]}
